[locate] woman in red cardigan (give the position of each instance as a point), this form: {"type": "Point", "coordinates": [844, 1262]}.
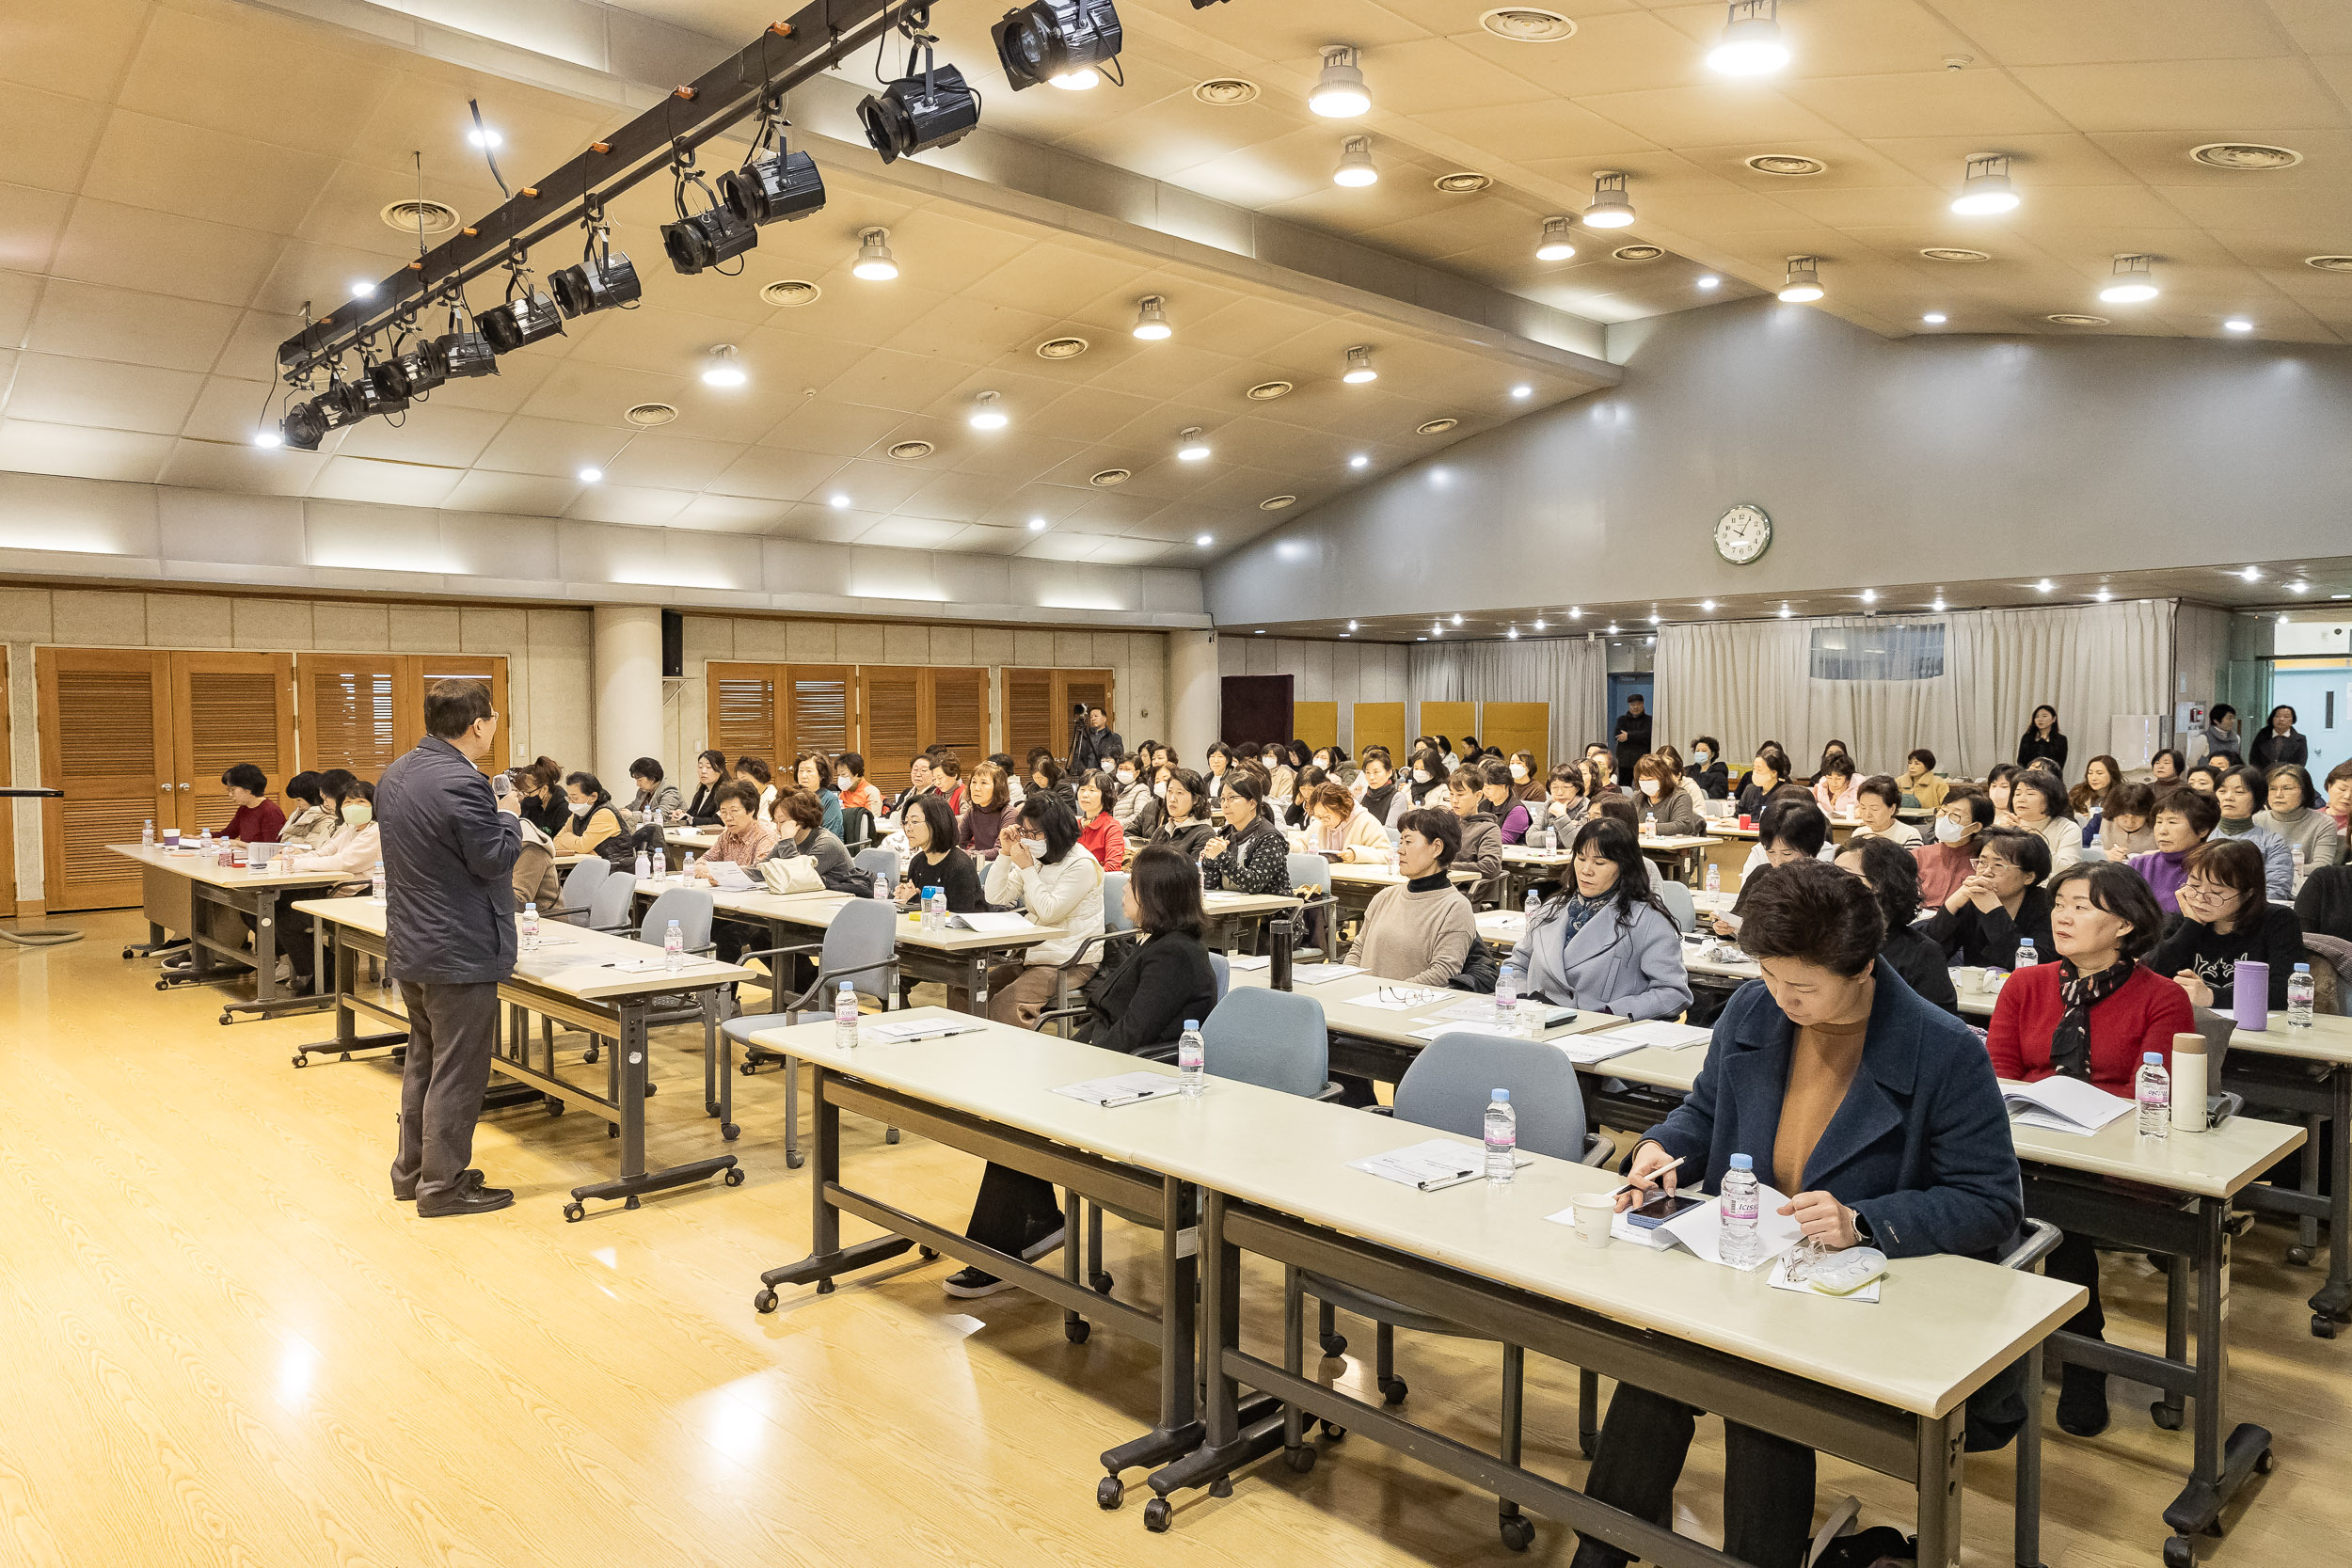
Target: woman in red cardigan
{"type": "Point", "coordinates": [1098, 833]}
{"type": "Point", "coordinates": [2093, 1015]}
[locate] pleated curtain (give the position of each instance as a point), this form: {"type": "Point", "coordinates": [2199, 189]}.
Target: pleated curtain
{"type": "Point", "coordinates": [1749, 681]}
{"type": "Point", "coordinates": [1570, 673]}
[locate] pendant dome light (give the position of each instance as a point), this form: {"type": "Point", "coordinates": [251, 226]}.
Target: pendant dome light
{"type": "Point", "coordinates": [723, 369]}
{"type": "Point", "coordinates": [1356, 166]}
{"type": "Point", "coordinates": [1804, 283]}
{"type": "Point", "coordinates": [1152, 318]}
{"type": "Point", "coordinates": [1751, 44]}
{"type": "Point", "coordinates": [2133, 284]}
{"type": "Point", "coordinates": [1339, 92]}
{"type": "Point", "coordinates": [1555, 246]}
{"type": "Point", "coordinates": [1360, 366]}
{"type": "Point", "coordinates": [874, 261]}
{"type": "Point", "coordinates": [988, 412]}
{"type": "Point", "coordinates": [1192, 445]}
{"type": "Point", "coordinates": [1613, 206]}
{"type": "Point", "coordinates": [1985, 188]}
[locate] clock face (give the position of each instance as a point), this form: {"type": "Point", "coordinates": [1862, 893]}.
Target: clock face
{"type": "Point", "coordinates": [1742, 534]}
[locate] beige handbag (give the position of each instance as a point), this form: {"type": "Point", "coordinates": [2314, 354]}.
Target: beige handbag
{"type": "Point", "coordinates": [794, 874]}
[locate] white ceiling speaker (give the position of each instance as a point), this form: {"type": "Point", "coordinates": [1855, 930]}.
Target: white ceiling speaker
{"type": "Point", "coordinates": [913, 451]}
{"type": "Point", "coordinates": [1751, 44]}
{"type": "Point", "coordinates": [2329, 263]}
{"type": "Point", "coordinates": [1436, 426]}
{"type": "Point", "coordinates": [1613, 207]}
{"type": "Point", "coordinates": [1527, 25]}
{"type": "Point", "coordinates": [1224, 92]}
{"type": "Point", "coordinates": [1356, 166]}
{"type": "Point", "coordinates": [2242, 156]}
{"type": "Point", "coordinates": [1785, 164]}
{"type": "Point", "coordinates": [1803, 285]}
{"type": "Point", "coordinates": [1985, 188]}
{"type": "Point", "coordinates": [790, 292]}
{"type": "Point", "coordinates": [1152, 318]}
{"type": "Point", "coordinates": [1955, 253]}
{"type": "Point", "coordinates": [1554, 245]}
{"type": "Point", "coordinates": [414, 212]}
{"type": "Point", "coordinates": [650, 416]}
{"type": "Point", "coordinates": [2075, 318]}
{"type": "Point", "coordinates": [2132, 283]}
{"type": "Point", "coordinates": [1638, 252]}
{"type": "Point", "coordinates": [1266, 391]}
{"type": "Point", "coordinates": [1109, 477]}
{"type": "Point", "coordinates": [1339, 92]}
{"type": "Point", "coordinates": [1462, 182]}
{"type": "Point", "coordinates": [1275, 503]}
{"type": "Point", "coordinates": [1062, 348]}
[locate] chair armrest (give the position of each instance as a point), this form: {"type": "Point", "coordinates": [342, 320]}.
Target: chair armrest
{"type": "Point", "coordinates": [780, 951]}
{"type": "Point", "coordinates": [1599, 1150]}
{"type": "Point", "coordinates": [1380, 1110]}
{"type": "Point", "coordinates": [832, 977]}
{"type": "Point", "coordinates": [1055, 1015]}
{"type": "Point", "coordinates": [623, 930]}
{"type": "Point", "coordinates": [1331, 1089]}
{"type": "Point", "coordinates": [2042, 1238]}
{"type": "Point", "coordinates": [1102, 938]}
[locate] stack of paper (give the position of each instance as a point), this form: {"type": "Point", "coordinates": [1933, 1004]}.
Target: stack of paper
{"type": "Point", "coordinates": [1699, 1231]}
{"type": "Point", "coordinates": [1241, 964]}
{"type": "Point", "coordinates": [1003, 925]}
{"type": "Point", "coordinates": [1432, 1166]}
{"type": "Point", "coordinates": [2062, 1105]}
{"type": "Point", "coordinates": [1314, 974]}
{"type": "Point", "coordinates": [1663, 1035]}
{"type": "Point", "coordinates": [728, 877]}
{"type": "Point", "coordinates": [901, 1030]}
{"type": "Point", "coordinates": [1127, 1088]}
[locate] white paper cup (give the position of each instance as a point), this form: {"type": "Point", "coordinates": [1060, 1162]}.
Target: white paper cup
{"type": "Point", "coordinates": [1595, 1212]}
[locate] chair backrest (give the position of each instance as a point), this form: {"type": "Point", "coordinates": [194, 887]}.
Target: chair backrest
{"type": "Point", "coordinates": [691, 907]}
{"type": "Point", "coordinates": [581, 882]}
{"type": "Point", "coordinates": [879, 862]}
{"type": "Point", "coordinates": [2216, 1028]}
{"type": "Point", "coordinates": [857, 826]}
{"type": "Point", "coordinates": [1451, 1081]}
{"type": "Point", "coordinates": [1310, 871]}
{"type": "Point", "coordinates": [534, 880]}
{"type": "Point", "coordinates": [1276, 1040]}
{"type": "Point", "coordinates": [1676, 897]}
{"type": "Point", "coordinates": [865, 932]}
{"type": "Point", "coordinates": [2331, 972]}
{"type": "Point", "coordinates": [1115, 902]}
{"type": "Point", "coordinates": [1223, 970]}
{"type": "Point", "coordinates": [607, 906]}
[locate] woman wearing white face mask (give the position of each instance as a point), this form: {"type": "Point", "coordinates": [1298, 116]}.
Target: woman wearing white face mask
{"type": "Point", "coordinates": [1040, 866]}
{"type": "Point", "coordinates": [1134, 807]}
{"type": "Point", "coordinates": [1661, 797]}
{"type": "Point", "coordinates": [1281, 778]}
{"type": "Point", "coordinates": [593, 816]}
{"type": "Point", "coordinates": [350, 849]}
{"type": "Point", "coordinates": [1429, 776]}
{"type": "Point", "coordinates": [1527, 781]}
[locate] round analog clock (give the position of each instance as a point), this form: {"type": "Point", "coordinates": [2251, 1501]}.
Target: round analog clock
{"type": "Point", "coordinates": [1743, 533]}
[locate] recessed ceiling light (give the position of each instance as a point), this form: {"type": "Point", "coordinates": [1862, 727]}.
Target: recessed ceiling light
{"type": "Point", "coordinates": [1275, 503]}
{"type": "Point", "coordinates": [838, 502]}
{"type": "Point", "coordinates": [1938, 604]}
{"type": "Point", "coordinates": [2103, 595]}
{"type": "Point", "coordinates": [1356, 166]}
{"type": "Point", "coordinates": [2237, 323]}
{"type": "Point", "coordinates": [1803, 282]}
{"type": "Point", "coordinates": [1955, 253]}
{"type": "Point", "coordinates": [1553, 244]}
{"type": "Point", "coordinates": [1351, 626]}
{"type": "Point", "coordinates": [1870, 596]}
{"type": "Point", "coordinates": [1708, 605]}
{"type": "Point", "coordinates": [590, 476]}
{"type": "Point", "coordinates": [1613, 206]}
{"type": "Point", "coordinates": [2044, 586]}
{"type": "Point", "coordinates": [1457, 617]}
{"type": "Point", "coordinates": [1205, 540]}
{"type": "Point", "coordinates": [1710, 281]}
{"type": "Point", "coordinates": [362, 289]}
{"type": "Point", "coordinates": [1339, 92]}
{"type": "Point", "coordinates": [1192, 445]}
{"type": "Point", "coordinates": [2298, 587]}
{"type": "Point", "coordinates": [2132, 282]}
{"type": "Point", "coordinates": [1224, 92]}
{"type": "Point", "coordinates": [988, 412]}
{"type": "Point", "coordinates": [1638, 252]}
{"type": "Point", "coordinates": [1784, 612]}
{"type": "Point", "coordinates": [1576, 612]}
{"type": "Point", "coordinates": [1612, 629]}
{"type": "Point", "coordinates": [1360, 461]}
{"type": "Point", "coordinates": [1985, 188]}
{"type": "Point", "coordinates": [1037, 525]}
{"type": "Point", "coordinates": [1522, 391]}
{"type": "Point", "coordinates": [1935, 318]}
{"type": "Point", "coordinates": [1527, 25]}
{"type": "Point", "coordinates": [1653, 617]}
{"type": "Point", "coordinates": [2340, 596]}
{"type": "Point", "coordinates": [1539, 622]}
{"type": "Point", "coordinates": [1436, 427]}
{"type": "Point", "coordinates": [1513, 634]}
{"type": "Point", "coordinates": [874, 261]}
{"type": "Point", "coordinates": [1785, 164]}
{"type": "Point", "coordinates": [2252, 574]}
{"type": "Point", "coordinates": [1344, 634]}
{"type": "Point", "coordinates": [1260, 632]}
{"type": "Point", "coordinates": [724, 369]}
{"type": "Point", "coordinates": [1359, 367]}
{"type": "Point", "coordinates": [2240, 156]}
{"type": "Point", "coordinates": [1751, 44]}
{"type": "Point", "coordinates": [1464, 183]}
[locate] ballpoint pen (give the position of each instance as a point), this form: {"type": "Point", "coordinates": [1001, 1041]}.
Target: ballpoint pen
{"type": "Point", "coordinates": [1632, 1187]}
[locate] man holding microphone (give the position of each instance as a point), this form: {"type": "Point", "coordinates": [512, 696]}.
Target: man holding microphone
{"type": "Point", "coordinates": [449, 848]}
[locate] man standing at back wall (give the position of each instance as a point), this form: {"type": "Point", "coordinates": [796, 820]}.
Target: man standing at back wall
{"type": "Point", "coordinates": [449, 855]}
{"type": "Point", "coordinates": [1097, 742]}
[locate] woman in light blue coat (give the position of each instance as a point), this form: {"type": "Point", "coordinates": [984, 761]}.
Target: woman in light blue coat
{"type": "Point", "coordinates": [1607, 946]}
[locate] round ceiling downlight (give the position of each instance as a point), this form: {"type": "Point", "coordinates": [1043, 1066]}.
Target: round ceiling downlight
{"type": "Point", "coordinates": [2329, 263]}
{"type": "Point", "coordinates": [2075, 318]}
{"type": "Point", "coordinates": [1787, 163]}
{"type": "Point", "coordinates": [646, 416]}
{"type": "Point", "coordinates": [1225, 91]}
{"type": "Point", "coordinates": [1062, 348]}
{"type": "Point", "coordinates": [2244, 155]}
{"type": "Point", "coordinates": [1266, 391]}
{"type": "Point", "coordinates": [1462, 182]}
{"type": "Point", "coordinates": [1955, 253]}
{"type": "Point", "coordinates": [1110, 477]}
{"type": "Point", "coordinates": [1527, 25]}
{"type": "Point", "coordinates": [911, 452]}
{"type": "Point", "coordinates": [790, 291]}
{"type": "Point", "coordinates": [437, 218]}
{"type": "Point", "coordinates": [1638, 252]}
{"type": "Point", "coordinates": [1437, 427]}
{"type": "Point", "coordinates": [1275, 503]}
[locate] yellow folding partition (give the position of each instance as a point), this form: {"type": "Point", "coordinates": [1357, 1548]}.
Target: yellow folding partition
{"type": "Point", "coordinates": [1317, 724]}
{"type": "Point", "coordinates": [1518, 727]}
{"type": "Point", "coordinates": [1378, 724]}
{"type": "Point", "coordinates": [1451, 720]}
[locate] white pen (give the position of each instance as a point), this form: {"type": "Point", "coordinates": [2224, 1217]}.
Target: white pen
{"type": "Point", "coordinates": [1631, 1187]}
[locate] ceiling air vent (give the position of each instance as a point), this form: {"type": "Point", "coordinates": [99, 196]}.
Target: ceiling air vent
{"type": "Point", "coordinates": [1462, 182]}
{"type": "Point", "coordinates": [1437, 427]}
{"type": "Point", "coordinates": [1955, 253]}
{"type": "Point", "coordinates": [646, 416]}
{"type": "Point", "coordinates": [2245, 155]}
{"type": "Point", "coordinates": [1062, 348]}
{"type": "Point", "coordinates": [1266, 391]}
{"type": "Point", "coordinates": [1109, 477]}
{"type": "Point", "coordinates": [1638, 252]}
{"type": "Point", "coordinates": [440, 217]}
{"type": "Point", "coordinates": [2071, 318]}
{"type": "Point", "coordinates": [790, 291]}
{"type": "Point", "coordinates": [1527, 25]}
{"type": "Point", "coordinates": [1787, 163]}
{"type": "Point", "coordinates": [1275, 503]}
{"type": "Point", "coordinates": [2329, 263]}
{"type": "Point", "coordinates": [1225, 91]}
{"type": "Point", "coordinates": [909, 452]}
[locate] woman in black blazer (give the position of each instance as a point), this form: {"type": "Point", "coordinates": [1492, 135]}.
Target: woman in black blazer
{"type": "Point", "coordinates": [710, 771]}
{"type": "Point", "coordinates": [1140, 1005]}
{"type": "Point", "coordinates": [2041, 739]}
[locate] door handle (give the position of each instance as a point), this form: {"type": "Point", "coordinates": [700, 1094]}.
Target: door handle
{"type": "Point", "coordinates": [184, 787]}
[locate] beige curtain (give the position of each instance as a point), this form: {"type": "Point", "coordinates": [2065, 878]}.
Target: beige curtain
{"type": "Point", "coordinates": [1570, 673]}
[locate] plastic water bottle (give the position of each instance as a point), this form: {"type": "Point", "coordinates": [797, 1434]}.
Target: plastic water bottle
{"type": "Point", "coordinates": [673, 948]}
{"type": "Point", "coordinates": [686, 867]}
{"type": "Point", "coordinates": [644, 867]}
{"type": "Point", "coordinates": [2296, 852]}
{"type": "Point", "coordinates": [1714, 877]}
{"type": "Point", "coordinates": [147, 834]}
{"type": "Point", "coordinates": [934, 908]}
{"type": "Point", "coordinates": [531, 928]}
{"type": "Point", "coordinates": [1528, 906]}
{"type": "Point", "coordinates": [1649, 826]}
{"type": "Point", "coordinates": [1503, 1138]}
{"type": "Point", "coordinates": [204, 840]}
{"type": "Point", "coordinates": [1192, 1055]}
{"type": "Point", "coordinates": [2300, 987]}
{"type": "Point", "coordinates": [1551, 840]}
{"type": "Point", "coordinates": [881, 887]}
{"type": "Point", "coordinates": [844, 1013]}
{"type": "Point", "coordinates": [2153, 1088]}
{"type": "Point", "coordinates": [375, 879]}
{"type": "Point", "coordinates": [1743, 1242]}
{"type": "Point", "coordinates": [2026, 956]}
{"type": "Point", "coordinates": [1507, 998]}
{"type": "Point", "coordinates": [659, 867]}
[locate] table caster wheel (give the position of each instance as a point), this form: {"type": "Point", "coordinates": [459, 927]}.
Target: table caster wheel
{"type": "Point", "coordinates": [764, 1302]}
{"type": "Point", "coordinates": [1156, 1515]}
{"type": "Point", "coordinates": [575, 1212]}
{"type": "Point", "coordinates": [927, 1254]}
{"type": "Point", "coordinates": [2165, 1415]}
{"type": "Point", "coordinates": [611, 1129]}
{"type": "Point", "coordinates": [1300, 1459]}
{"type": "Point", "coordinates": [652, 1089]}
{"type": "Point", "coordinates": [2264, 1463]}
{"type": "Point", "coordinates": [794, 1158]}
{"type": "Point", "coordinates": [1110, 1493]}
{"type": "Point", "coordinates": [163, 985]}
{"type": "Point", "coordinates": [631, 1202]}
{"type": "Point", "coordinates": [735, 1176]}
{"type": "Point", "coordinates": [2299, 1257]}
{"type": "Point", "coordinates": [1393, 1390]}
{"type": "Point", "coordinates": [555, 1106]}
{"type": "Point", "coordinates": [824, 1287]}
{"type": "Point", "coordinates": [1519, 1532]}
{"type": "Point", "coordinates": [1334, 1433]}
{"type": "Point", "coordinates": [890, 1135]}
{"type": "Point", "coordinates": [1076, 1330]}
{"type": "Point", "coordinates": [2323, 1328]}
{"type": "Point", "coordinates": [1221, 1487]}
{"type": "Point", "coordinates": [2179, 1552]}
{"type": "Point", "coordinates": [728, 1130]}
{"type": "Point", "coordinates": [1101, 1283]}
{"type": "Point", "coordinates": [305, 1061]}
{"type": "Point", "coordinates": [225, 1020]}
{"type": "Point", "coordinates": [591, 1054]}
{"type": "Point", "coordinates": [1334, 1345]}
{"type": "Point", "coordinates": [126, 953]}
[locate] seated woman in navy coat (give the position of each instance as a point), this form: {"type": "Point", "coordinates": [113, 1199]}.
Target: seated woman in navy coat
{"type": "Point", "coordinates": [1881, 1116]}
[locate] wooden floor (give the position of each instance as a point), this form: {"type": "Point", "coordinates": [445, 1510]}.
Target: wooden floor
{"type": "Point", "coordinates": [225, 1343]}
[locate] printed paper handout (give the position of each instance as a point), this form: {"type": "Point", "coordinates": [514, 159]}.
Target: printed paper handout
{"type": "Point", "coordinates": [2062, 1105]}
{"type": "Point", "coordinates": [1699, 1231]}
{"type": "Point", "coordinates": [1663, 1035]}
{"type": "Point", "coordinates": [1126, 1089]}
{"type": "Point", "coordinates": [1432, 1165]}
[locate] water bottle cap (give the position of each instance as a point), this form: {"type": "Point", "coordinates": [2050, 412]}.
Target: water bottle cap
{"type": "Point", "coordinates": [846, 986]}
{"type": "Point", "coordinates": [530, 909]}
{"type": "Point", "coordinates": [1192, 1024]}
{"type": "Point", "coordinates": [2153, 1058]}
{"type": "Point", "coordinates": [2303, 968]}
{"type": "Point", "coordinates": [2024, 942]}
{"type": "Point", "coordinates": [1742, 1162]}
{"type": "Point", "coordinates": [673, 925]}
{"type": "Point", "coordinates": [1501, 1096]}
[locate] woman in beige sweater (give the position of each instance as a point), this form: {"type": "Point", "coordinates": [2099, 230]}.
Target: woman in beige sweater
{"type": "Point", "coordinates": [1418, 931]}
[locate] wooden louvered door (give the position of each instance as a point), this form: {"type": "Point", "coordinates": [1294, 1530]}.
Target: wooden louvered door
{"type": "Point", "coordinates": [106, 740]}
{"type": "Point", "coordinates": [890, 706]}
{"type": "Point", "coordinates": [350, 712]}
{"type": "Point", "coordinates": [418, 673]}
{"type": "Point", "coordinates": [744, 713]}
{"type": "Point", "coordinates": [230, 708]}
{"type": "Point", "coordinates": [817, 714]}
{"type": "Point", "coordinates": [1037, 704]}
{"type": "Point", "coordinates": [957, 709]}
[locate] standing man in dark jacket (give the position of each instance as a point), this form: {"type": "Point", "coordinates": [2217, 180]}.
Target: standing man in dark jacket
{"type": "Point", "coordinates": [1098, 745]}
{"type": "Point", "coordinates": [1633, 736]}
{"type": "Point", "coordinates": [449, 857]}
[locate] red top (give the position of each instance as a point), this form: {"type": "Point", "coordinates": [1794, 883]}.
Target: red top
{"type": "Point", "coordinates": [1105, 840]}
{"type": "Point", "coordinates": [256, 824]}
{"type": "Point", "coordinates": [1942, 868]}
{"type": "Point", "coordinates": [2142, 1015]}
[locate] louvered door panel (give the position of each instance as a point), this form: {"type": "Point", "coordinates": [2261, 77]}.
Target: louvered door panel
{"type": "Point", "coordinates": [890, 706]}
{"type": "Point", "coordinates": [817, 716]}
{"type": "Point", "coordinates": [1031, 719]}
{"type": "Point", "coordinates": [959, 712]}
{"type": "Point", "coordinates": [105, 740]}
{"type": "Point", "coordinates": [418, 673]}
{"type": "Point", "coordinates": [231, 708]}
{"type": "Point", "coordinates": [743, 710]}
{"type": "Point", "coordinates": [350, 712]}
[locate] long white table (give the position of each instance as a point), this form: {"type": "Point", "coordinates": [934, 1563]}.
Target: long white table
{"type": "Point", "coordinates": [209, 903]}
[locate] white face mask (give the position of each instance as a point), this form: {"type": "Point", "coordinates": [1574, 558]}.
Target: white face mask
{"type": "Point", "coordinates": [1271, 760]}
{"type": "Point", "coordinates": [1420, 775]}
{"type": "Point", "coordinates": [581, 808]}
{"type": "Point", "coordinates": [1519, 771]}
{"type": "Point", "coordinates": [1702, 754]}
{"type": "Point", "coordinates": [1036, 846]}
{"type": "Point", "coordinates": [1649, 787]}
{"type": "Point", "coordinates": [1160, 789]}
{"type": "Point", "coordinates": [842, 780]}
{"type": "Point", "coordinates": [1948, 831]}
{"type": "Point", "coordinates": [1125, 777]}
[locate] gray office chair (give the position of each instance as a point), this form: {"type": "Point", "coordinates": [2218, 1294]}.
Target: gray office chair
{"type": "Point", "coordinates": [693, 908]}
{"type": "Point", "coordinates": [884, 862]}
{"type": "Point", "coordinates": [1222, 967]}
{"type": "Point", "coordinates": [1115, 902]}
{"type": "Point", "coordinates": [1448, 1087]}
{"type": "Point", "coordinates": [1679, 904]}
{"type": "Point", "coordinates": [580, 886]}
{"type": "Point", "coordinates": [857, 828]}
{"type": "Point", "coordinates": [1322, 910]}
{"type": "Point", "coordinates": [860, 946]}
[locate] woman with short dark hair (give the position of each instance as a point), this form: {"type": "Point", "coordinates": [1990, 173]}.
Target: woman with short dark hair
{"type": "Point", "coordinates": [1418, 931]}
{"type": "Point", "coordinates": [1185, 826]}
{"type": "Point", "coordinates": [2096, 1014]}
{"type": "Point", "coordinates": [1834, 786]}
{"type": "Point", "coordinates": [1923, 787]}
{"type": "Point", "coordinates": [257, 817]}
{"type": "Point", "coordinates": [1882, 1119]}
{"type": "Point", "coordinates": [799, 818]}
{"type": "Point", "coordinates": [591, 816]}
{"type": "Point", "coordinates": [314, 824]}
{"type": "Point", "coordinates": [1040, 866]}
{"type": "Point", "coordinates": [934, 859]}
{"type": "Point", "coordinates": [656, 802]}
{"type": "Point", "coordinates": [2281, 742]}
{"type": "Point", "coordinates": [2126, 822]}
{"type": "Point", "coordinates": [855, 789]}
{"type": "Point", "coordinates": [1250, 855]}
{"type": "Point", "coordinates": [1999, 905]}
{"type": "Point", "coordinates": [1768, 772]}
{"type": "Point", "coordinates": [2226, 915]}
{"type": "Point", "coordinates": [2166, 767]}
{"type": "Point", "coordinates": [1708, 768]}
{"type": "Point", "coordinates": [2039, 801]}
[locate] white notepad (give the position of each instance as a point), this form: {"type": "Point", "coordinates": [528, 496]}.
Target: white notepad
{"type": "Point", "coordinates": [1314, 974]}
{"type": "Point", "coordinates": [1663, 1035]}
{"type": "Point", "coordinates": [924, 1029]}
{"type": "Point", "coordinates": [2063, 1106]}
{"type": "Point", "coordinates": [1432, 1165]}
{"type": "Point", "coordinates": [1244, 965]}
{"type": "Point", "coordinates": [992, 925]}
{"type": "Point", "coordinates": [1127, 1088]}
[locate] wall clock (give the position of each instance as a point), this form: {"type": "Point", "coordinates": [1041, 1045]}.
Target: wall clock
{"type": "Point", "coordinates": [1743, 534]}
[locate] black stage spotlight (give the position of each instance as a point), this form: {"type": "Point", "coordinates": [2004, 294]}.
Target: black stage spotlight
{"type": "Point", "coordinates": [606, 278]}
{"type": "Point", "coordinates": [419, 361]}
{"type": "Point", "coordinates": [917, 113]}
{"type": "Point", "coordinates": [699, 241]}
{"type": "Point", "coordinates": [304, 427]}
{"type": "Point", "coordinates": [781, 185]}
{"type": "Point", "coordinates": [464, 352]}
{"type": "Point", "coordinates": [521, 321]}
{"type": "Point", "coordinates": [1056, 39]}
{"type": "Point", "coordinates": [365, 396]}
